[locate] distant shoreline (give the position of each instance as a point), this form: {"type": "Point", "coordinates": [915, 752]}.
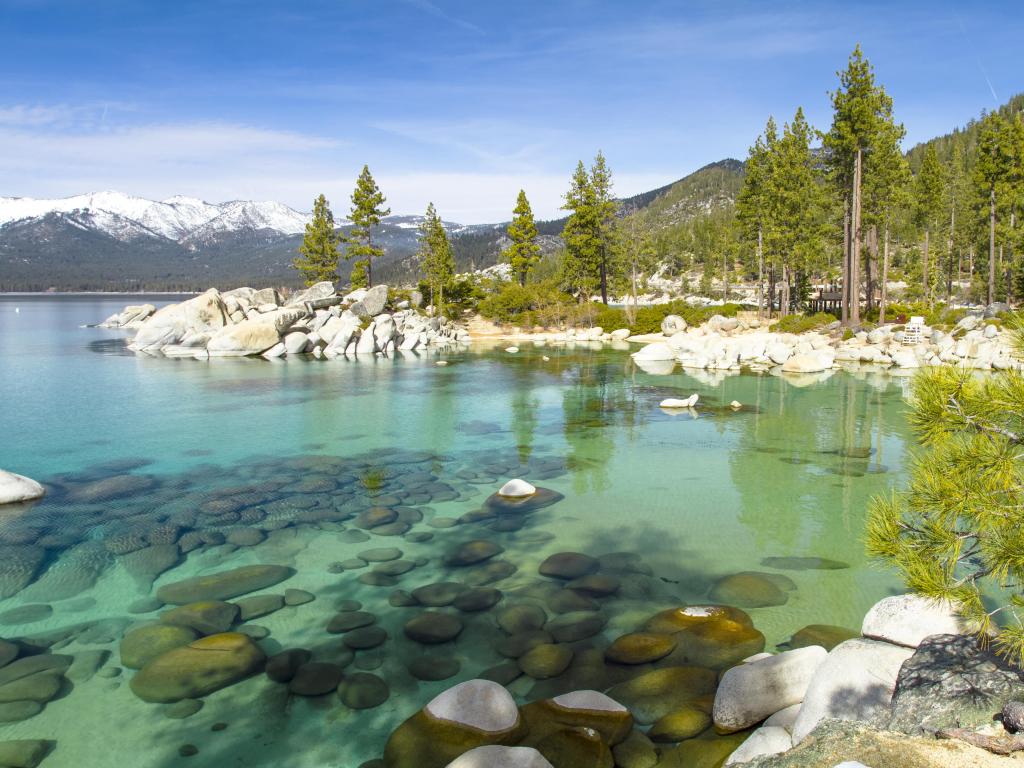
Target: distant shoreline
{"type": "Point", "coordinates": [99, 293]}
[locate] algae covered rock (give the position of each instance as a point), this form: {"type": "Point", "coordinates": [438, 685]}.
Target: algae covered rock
{"type": "Point", "coordinates": [472, 714]}
{"type": "Point", "coordinates": [545, 660]}
{"type": "Point", "coordinates": [654, 694]}
{"type": "Point", "coordinates": [208, 617]}
{"type": "Point", "coordinates": [578, 709]}
{"type": "Point", "coordinates": [224, 584]}
{"type": "Point", "coordinates": [717, 644]}
{"type": "Point", "coordinates": [752, 590]}
{"type": "Point", "coordinates": [640, 648]}
{"type": "Point", "coordinates": [493, 756]}
{"type": "Point", "coordinates": [203, 666]}
{"type": "Point", "coordinates": [828, 636]}
{"type": "Point", "coordinates": [684, 723]}
{"type": "Point", "coordinates": [142, 645]}
{"type": "Point", "coordinates": [684, 617]}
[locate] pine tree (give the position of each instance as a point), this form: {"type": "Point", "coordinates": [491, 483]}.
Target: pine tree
{"type": "Point", "coordinates": [929, 206]}
{"type": "Point", "coordinates": [581, 235]}
{"type": "Point", "coordinates": [752, 201]}
{"type": "Point", "coordinates": [955, 533]}
{"type": "Point", "coordinates": [956, 195]}
{"type": "Point", "coordinates": [861, 111]}
{"type": "Point", "coordinates": [367, 211]}
{"type": "Point", "coordinates": [637, 254]}
{"type": "Point", "coordinates": [998, 178]}
{"type": "Point", "coordinates": [318, 259]}
{"type": "Point", "coordinates": [524, 253]}
{"type": "Point", "coordinates": [605, 208]}
{"type": "Point", "coordinates": [436, 258]}
{"type": "Point", "coordinates": [794, 200]}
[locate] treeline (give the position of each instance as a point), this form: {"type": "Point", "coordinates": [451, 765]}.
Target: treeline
{"type": "Point", "coordinates": [848, 210]}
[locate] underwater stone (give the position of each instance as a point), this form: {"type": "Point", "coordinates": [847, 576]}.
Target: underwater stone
{"type": "Point", "coordinates": [145, 605]}
{"type": "Point", "coordinates": [258, 605]}
{"type": "Point", "coordinates": [295, 597]}
{"type": "Point", "coordinates": [208, 617]}
{"type": "Point", "coordinates": [146, 564]}
{"type": "Point", "coordinates": [380, 554]}
{"type": "Point", "coordinates": [225, 584]}
{"type": "Point", "coordinates": [374, 579]}
{"type": "Point", "coordinates": [570, 627]}
{"type": "Point", "coordinates": [16, 711]}
{"type": "Point", "coordinates": [365, 638]}
{"type": "Point", "coordinates": [315, 678]}
{"type": "Point", "coordinates": [472, 552]}
{"type": "Point", "coordinates": [41, 686]}
{"type": "Point", "coordinates": [394, 567]}
{"type": "Point", "coordinates": [750, 589]}
{"type": "Point", "coordinates": [545, 660]}
{"type": "Point", "coordinates": [361, 690]}
{"type": "Point", "coordinates": [684, 617]}
{"type": "Point", "coordinates": [493, 756]}
{"type": "Point", "coordinates": [825, 635]}
{"type": "Point", "coordinates": [142, 645]}
{"type": "Point", "coordinates": [654, 694]}
{"type": "Point", "coordinates": [640, 648]}
{"type": "Point", "coordinates": [595, 585]}
{"type": "Point", "coordinates": [245, 537]}
{"type": "Point", "coordinates": [440, 594]}
{"type": "Point", "coordinates": [8, 652]}
{"type": "Point", "coordinates": [349, 620]}
{"type": "Point", "coordinates": [204, 666]}
{"type": "Point", "coordinates": [569, 600]}
{"type": "Point", "coordinates": [18, 566]}
{"type": "Point", "coordinates": [182, 709]}
{"type": "Point", "coordinates": [488, 573]}
{"type": "Point", "coordinates": [86, 665]}
{"type": "Point", "coordinates": [402, 599]}
{"type": "Point", "coordinates": [477, 599]}
{"type": "Point", "coordinates": [680, 724]}
{"type": "Point", "coordinates": [281, 667]}
{"type": "Point", "coordinates": [109, 488]}
{"type": "Point", "coordinates": [433, 667]}
{"type": "Point", "coordinates": [431, 627]}
{"type": "Point", "coordinates": [25, 753]}
{"type": "Point", "coordinates": [576, 748]}
{"type": "Point", "coordinates": [517, 489]}
{"type": "Point", "coordinates": [514, 646]}
{"type": "Point", "coordinates": [568, 565]}
{"type": "Point", "coordinates": [26, 614]}
{"type": "Point", "coordinates": [521, 618]}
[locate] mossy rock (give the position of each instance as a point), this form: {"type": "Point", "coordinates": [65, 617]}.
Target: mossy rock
{"type": "Point", "coordinates": [576, 748]}
{"type": "Point", "coordinates": [684, 617]}
{"type": "Point", "coordinates": [640, 648]}
{"type": "Point", "coordinates": [208, 617]}
{"type": "Point", "coordinates": [717, 644]}
{"type": "Point", "coordinates": [751, 589]}
{"type": "Point", "coordinates": [203, 666]}
{"type": "Point", "coordinates": [472, 552]}
{"type": "Point", "coordinates": [577, 709]}
{"type": "Point", "coordinates": [654, 694]}
{"type": "Point", "coordinates": [827, 636]}
{"type": "Point", "coordinates": [142, 645]}
{"type": "Point", "coordinates": [545, 660]}
{"type": "Point", "coordinates": [635, 751]}
{"type": "Point", "coordinates": [680, 724]}
{"type": "Point", "coordinates": [224, 585]}
{"type": "Point", "coordinates": [708, 750]}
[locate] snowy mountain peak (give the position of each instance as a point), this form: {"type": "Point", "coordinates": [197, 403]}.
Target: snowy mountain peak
{"type": "Point", "coordinates": [178, 218]}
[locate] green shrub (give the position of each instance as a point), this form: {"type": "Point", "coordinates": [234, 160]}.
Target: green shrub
{"type": "Point", "coordinates": [518, 304]}
{"type": "Point", "coordinates": [803, 323]}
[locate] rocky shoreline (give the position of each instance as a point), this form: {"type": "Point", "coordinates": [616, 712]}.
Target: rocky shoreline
{"type": "Point", "coordinates": [723, 344]}
{"type": "Point", "coordinates": [317, 321]}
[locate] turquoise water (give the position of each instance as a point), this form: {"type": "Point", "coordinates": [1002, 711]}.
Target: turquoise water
{"type": "Point", "coordinates": [694, 497]}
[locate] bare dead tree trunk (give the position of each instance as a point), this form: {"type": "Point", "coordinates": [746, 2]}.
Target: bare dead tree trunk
{"type": "Point", "coordinates": [991, 244]}
{"type": "Point", "coordinates": [760, 274]}
{"type": "Point", "coordinates": [855, 261]}
{"type": "Point", "coordinates": [885, 276]}
{"type": "Point", "coordinates": [845, 310]}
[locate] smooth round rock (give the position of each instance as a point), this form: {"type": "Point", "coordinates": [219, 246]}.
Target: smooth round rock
{"type": "Point", "coordinates": [524, 617]}
{"type": "Point", "coordinates": [402, 599]}
{"type": "Point", "coordinates": [569, 601]}
{"type": "Point", "coordinates": [477, 599]}
{"type": "Point", "coordinates": [545, 660]}
{"type": "Point", "coordinates": [640, 648]}
{"type": "Point", "coordinates": [568, 565]}
{"type": "Point", "coordinates": [378, 579]}
{"type": "Point", "coordinates": [224, 585]}
{"type": "Point", "coordinates": [570, 627]}
{"type": "Point", "coordinates": [654, 694]}
{"type": "Point", "coordinates": [145, 605]}
{"type": "Point", "coordinates": [517, 489]}
{"type": "Point", "coordinates": [361, 690]}
{"type": "Point", "coordinates": [16, 711]}
{"type": "Point", "coordinates": [195, 670]}
{"type": "Point", "coordinates": [380, 554]}
{"type": "Point", "coordinates": [434, 667]}
{"type": "Point", "coordinates": [298, 597]}
{"type": "Point", "coordinates": [827, 636]}
{"type": "Point", "coordinates": [315, 678]}
{"type": "Point", "coordinates": [595, 585]}
{"type": "Point", "coordinates": [349, 620]}
{"type": "Point", "coordinates": [479, 704]}
{"type": "Point", "coordinates": [258, 606]}
{"type": "Point", "coordinates": [142, 645]}
{"type": "Point", "coordinates": [281, 667]}
{"type": "Point", "coordinates": [498, 756]}
{"type": "Point", "coordinates": [749, 590]}
{"type": "Point", "coordinates": [26, 614]}
{"type": "Point", "coordinates": [683, 723]}
{"type": "Point", "coordinates": [349, 605]}
{"type": "Point", "coordinates": [365, 638]}
{"type": "Point", "coordinates": [684, 617]}
{"type": "Point", "coordinates": [440, 594]}
{"type": "Point", "coordinates": [514, 646]}
{"type": "Point", "coordinates": [431, 627]}
{"type": "Point", "coordinates": [472, 552]}
{"type": "Point", "coordinates": [182, 709]}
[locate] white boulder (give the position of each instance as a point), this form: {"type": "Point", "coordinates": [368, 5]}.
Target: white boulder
{"type": "Point", "coordinates": [620, 334]}
{"type": "Point", "coordinates": [672, 324]}
{"type": "Point", "coordinates": [855, 682]}
{"type": "Point", "coordinates": [810, 362]}
{"type": "Point", "coordinates": [496, 756]}
{"type": "Point", "coordinates": [517, 489]}
{"type": "Point", "coordinates": [479, 704]}
{"type": "Point", "coordinates": [296, 343]}
{"type": "Point", "coordinates": [249, 337]}
{"type": "Point", "coordinates": [659, 350]}
{"type": "Point", "coordinates": [15, 488]}
{"type": "Point", "coordinates": [765, 741]}
{"type": "Point", "coordinates": [909, 619]}
{"type": "Point", "coordinates": [749, 693]}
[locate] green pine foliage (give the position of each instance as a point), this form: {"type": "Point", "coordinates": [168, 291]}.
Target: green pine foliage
{"type": "Point", "coordinates": [318, 254]}
{"type": "Point", "coordinates": [367, 211]}
{"type": "Point", "coordinates": [929, 209]}
{"type": "Point", "coordinates": [955, 533]}
{"type": "Point", "coordinates": [436, 259]}
{"type": "Point", "coordinates": [582, 236]}
{"type": "Point", "coordinates": [524, 253]}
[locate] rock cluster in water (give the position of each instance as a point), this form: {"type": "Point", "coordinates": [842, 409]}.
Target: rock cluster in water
{"type": "Point", "coordinates": [317, 321]}
{"type": "Point", "coordinates": [729, 343]}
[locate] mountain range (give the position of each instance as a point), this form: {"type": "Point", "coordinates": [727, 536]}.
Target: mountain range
{"type": "Point", "coordinates": [113, 241]}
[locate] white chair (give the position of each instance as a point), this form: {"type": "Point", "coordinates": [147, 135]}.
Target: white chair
{"type": "Point", "coordinates": [912, 330]}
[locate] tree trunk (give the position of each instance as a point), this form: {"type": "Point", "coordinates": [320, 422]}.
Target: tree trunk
{"type": "Point", "coordinates": [924, 269]}
{"type": "Point", "coordinates": [871, 267]}
{"type": "Point", "coordinates": [855, 256]}
{"type": "Point", "coordinates": [725, 278]}
{"type": "Point", "coordinates": [771, 289]}
{"type": "Point", "coordinates": [784, 301]}
{"type": "Point", "coordinates": [760, 275]}
{"type": "Point", "coordinates": [604, 279]}
{"type": "Point", "coordinates": [845, 310]}
{"type": "Point", "coordinates": [885, 276]}
{"type": "Point", "coordinates": [991, 244]}
{"type": "Point", "coordinates": [952, 234]}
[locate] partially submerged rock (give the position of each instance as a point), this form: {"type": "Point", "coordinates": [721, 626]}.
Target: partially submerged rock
{"type": "Point", "coordinates": [18, 488]}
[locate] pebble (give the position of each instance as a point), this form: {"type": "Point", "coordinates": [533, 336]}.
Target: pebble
{"type": "Point", "coordinates": [431, 627]}
{"type": "Point", "coordinates": [381, 554]}
{"type": "Point", "coordinates": [298, 597]}
{"type": "Point", "coordinates": [362, 690]}
{"type": "Point", "coordinates": [365, 638]}
{"type": "Point", "coordinates": [349, 620]}
{"type": "Point", "coordinates": [315, 678]}
{"type": "Point", "coordinates": [432, 668]}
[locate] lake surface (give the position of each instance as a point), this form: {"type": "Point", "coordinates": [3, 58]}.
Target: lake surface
{"type": "Point", "coordinates": [140, 450]}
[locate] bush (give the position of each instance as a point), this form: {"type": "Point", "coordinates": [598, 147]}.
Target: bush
{"type": "Point", "coordinates": [803, 323]}
{"type": "Point", "coordinates": [515, 303]}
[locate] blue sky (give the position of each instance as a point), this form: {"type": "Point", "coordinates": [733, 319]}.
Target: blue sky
{"type": "Point", "coordinates": [457, 101]}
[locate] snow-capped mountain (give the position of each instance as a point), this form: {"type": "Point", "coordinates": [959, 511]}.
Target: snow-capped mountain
{"type": "Point", "coordinates": [181, 219]}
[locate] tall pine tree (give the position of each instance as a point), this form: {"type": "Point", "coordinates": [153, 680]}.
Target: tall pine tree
{"type": "Point", "coordinates": [318, 253]}
{"type": "Point", "coordinates": [604, 209]}
{"type": "Point", "coordinates": [436, 258]}
{"type": "Point", "coordinates": [582, 236]}
{"type": "Point", "coordinates": [860, 111]}
{"type": "Point", "coordinates": [752, 201]}
{"type": "Point", "coordinates": [524, 253]}
{"type": "Point", "coordinates": [929, 207]}
{"type": "Point", "coordinates": [367, 211]}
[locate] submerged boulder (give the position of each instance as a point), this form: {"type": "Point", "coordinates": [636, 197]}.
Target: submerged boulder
{"type": "Point", "coordinates": [224, 584]}
{"type": "Point", "coordinates": [15, 488]}
{"type": "Point", "coordinates": [201, 667]}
